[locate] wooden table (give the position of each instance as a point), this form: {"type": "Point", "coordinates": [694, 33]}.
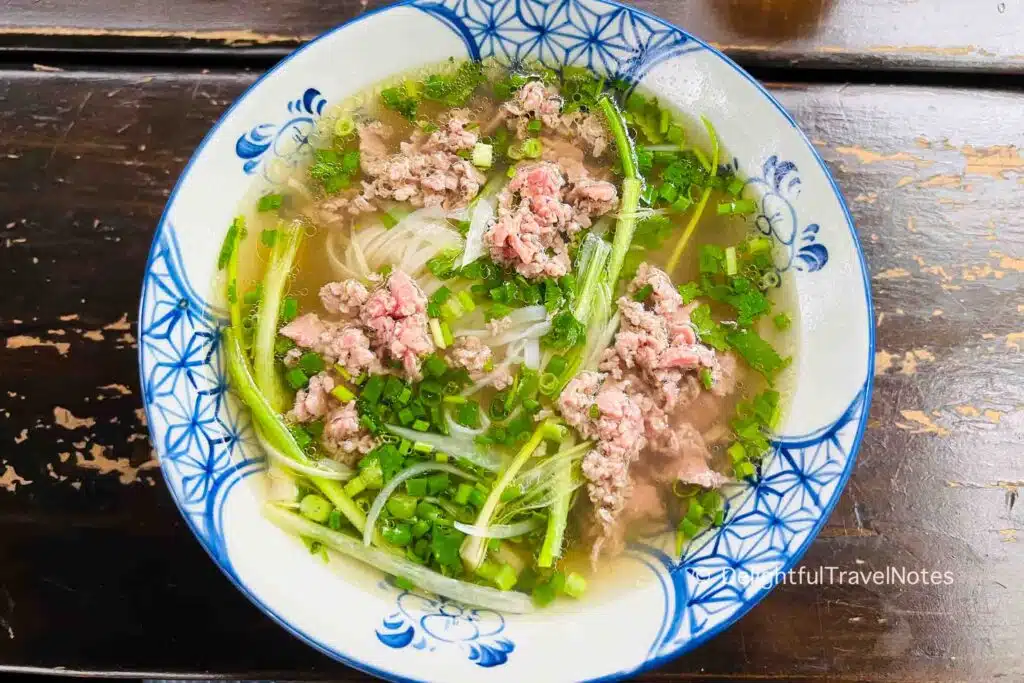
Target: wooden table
{"type": "Point", "coordinates": [917, 108]}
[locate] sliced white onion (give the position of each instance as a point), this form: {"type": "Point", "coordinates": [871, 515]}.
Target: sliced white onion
{"type": "Point", "coordinates": [483, 214]}
{"type": "Point", "coordinates": [535, 331]}
{"type": "Point", "coordinates": [464, 431]}
{"type": "Point", "coordinates": [398, 565]}
{"type": "Point", "coordinates": [389, 488]}
{"type": "Point", "coordinates": [499, 530]}
{"type": "Point", "coordinates": [531, 355]}
{"type": "Point", "coordinates": [454, 446]}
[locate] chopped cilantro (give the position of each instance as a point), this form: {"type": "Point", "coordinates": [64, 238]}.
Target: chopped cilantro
{"type": "Point", "coordinates": [782, 322]}
{"type": "Point", "coordinates": [566, 331]}
{"type": "Point", "coordinates": [710, 332]}
{"type": "Point", "coordinates": [758, 353]}
{"type": "Point", "coordinates": [269, 202]}
{"type": "Point", "coordinates": [399, 99]}
{"type": "Point", "coordinates": [689, 291]}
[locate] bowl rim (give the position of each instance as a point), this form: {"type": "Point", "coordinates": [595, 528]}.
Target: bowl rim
{"type": "Point", "coordinates": [687, 645]}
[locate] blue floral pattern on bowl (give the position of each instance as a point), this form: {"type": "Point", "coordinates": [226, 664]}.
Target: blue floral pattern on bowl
{"type": "Point", "coordinates": [424, 624]}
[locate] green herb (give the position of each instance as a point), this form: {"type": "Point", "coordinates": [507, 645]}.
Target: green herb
{"type": "Point", "coordinates": [296, 378]}
{"type": "Point", "coordinates": [782, 322]}
{"type": "Point", "coordinates": [269, 202]}
{"type": "Point", "coordinates": [311, 363]}
{"type": "Point", "coordinates": [706, 378]}
{"type": "Point", "coordinates": [445, 544]}
{"type": "Point", "coordinates": [709, 332]}
{"type": "Point", "coordinates": [399, 99]}
{"type": "Point", "coordinates": [234, 235]}
{"type": "Point", "coordinates": [644, 292]}
{"type": "Point", "coordinates": [689, 291]}
{"type": "Point", "coordinates": [566, 332]}
{"type": "Point", "coordinates": [758, 353]}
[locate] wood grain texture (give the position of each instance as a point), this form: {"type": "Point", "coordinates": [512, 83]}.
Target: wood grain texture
{"type": "Point", "coordinates": [933, 34]}
{"type": "Point", "coordinates": [98, 572]}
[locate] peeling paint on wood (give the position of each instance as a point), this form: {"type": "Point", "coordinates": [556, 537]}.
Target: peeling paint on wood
{"type": "Point", "coordinates": [66, 419]}
{"type": "Point", "coordinates": [11, 480]}
{"type": "Point", "coordinates": [24, 341]}
{"type": "Point", "coordinates": [96, 459]}
{"type": "Point", "coordinates": [920, 423]}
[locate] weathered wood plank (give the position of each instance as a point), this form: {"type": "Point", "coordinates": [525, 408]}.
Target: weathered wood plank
{"type": "Point", "coordinates": [940, 34]}
{"type": "Point", "coordinates": [98, 572]}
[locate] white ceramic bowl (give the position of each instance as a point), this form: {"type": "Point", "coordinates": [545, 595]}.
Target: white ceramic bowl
{"type": "Point", "coordinates": [659, 606]}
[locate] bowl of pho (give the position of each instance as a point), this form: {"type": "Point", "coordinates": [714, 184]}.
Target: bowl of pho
{"type": "Point", "coordinates": [505, 340]}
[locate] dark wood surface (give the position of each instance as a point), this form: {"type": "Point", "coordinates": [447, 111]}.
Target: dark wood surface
{"type": "Point", "coordinates": [969, 35]}
{"type": "Point", "coordinates": [98, 573]}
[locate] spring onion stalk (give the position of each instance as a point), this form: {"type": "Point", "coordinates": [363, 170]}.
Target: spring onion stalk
{"type": "Point", "coordinates": [691, 226]}
{"type": "Point", "coordinates": [632, 186]}
{"type": "Point", "coordinates": [474, 548]}
{"type": "Point", "coordinates": [397, 565]}
{"type": "Point", "coordinates": [454, 446]}
{"type": "Point", "coordinates": [398, 480]}
{"type": "Point", "coordinates": [268, 421]}
{"type": "Point", "coordinates": [273, 429]}
{"type": "Point", "coordinates": [275, 281]}
{"type": "Point", "coordinates": [558, 515]}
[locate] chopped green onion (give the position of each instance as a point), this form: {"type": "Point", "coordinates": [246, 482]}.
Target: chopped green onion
{"type": "Point", "coordinates": [289, 309]}
{"type": "Point", "coordinates": [595, 412]}
{"type": "Point", "coordinates": [446, 334]}
{"type": "Point", "coordinates": [315, 507]}
{"type": "Point", "coordinates": [421, 447]}
{"type": "Point", "coordinates": [268, 238]}
{"type": "Point", "coordinates": [342, 393]}
{"type": "Point", "coordinates": [354, 487]}
{"type": "Point", "coordinates": [454, 400]}
{"type": "Point", "coordinates": [731, 267]}
{"type": "Point", "coordinates": [575, 585]}
{"type": "Point", "coordinates": [506, 578]}
{"type": "Point", "coordinates": [737, 453]}
{"type": "Point", "coordinates": [535, 126]}
{"type": "Point", "coordinates": [372, 389]}
{"type": "Point", "coordinates": [436, 334]}
{"type": "Point", "coordinates": [296, 378]}
{"type": "Point", "coordinates": [416, 487]}
{"type": "Point", "coordinates": [437, 483]}
{"type": "Point", "coordinates": [344, 127]}
{"type": "Point", "coordinates": [734, 187]}
{"type": "Point", "coordinates": [421, 425]}
{"type": "Point", "coordinates": [759, 245]}
{"type": "Point", "coordinates": [532, 148]}
{"type": "Point", "coordinates": [782, 321]}
{"type": "Point", "coordinates": [739, 207]}
{"type": "Point", "coordinates": [706, 378]}
{"type": "Point", "coordinates": [483, 155]}
{"type": "Point", "coordinates": [466, 299]}
{"type": "Point", "coordinates": [462, 493]}
{"type": "Point", "coordinates": [311, 363]}
{"type": "Point", "coordinates": [400, 535]}
{"type": "Point", "coordinates": [477, 497]}
{"type": "Point", "coordinates": [402, 506]}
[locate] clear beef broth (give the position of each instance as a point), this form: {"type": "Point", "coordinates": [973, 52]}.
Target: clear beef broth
{"type": "Point", "coordinates": [313, 267]}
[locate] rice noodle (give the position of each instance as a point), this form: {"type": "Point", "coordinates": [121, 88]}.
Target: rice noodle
{"type": "Point", "coordinates": [483, 214]}
{"type": "Point", "coordinates": [499, 530]}
{"type": "Point", "coordinates": [531, 354]}
{"type": "Point", "coordinates": [535, 331]}
{"type": "Point", "coordinates": [396, 481]}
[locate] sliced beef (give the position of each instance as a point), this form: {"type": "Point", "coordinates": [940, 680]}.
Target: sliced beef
{"type": "Point", "coordinates": [314, 401]}
{"type": "Point", "coordinates": [343, 437]}
{"type": "Point", "coordinates": [395, 316]}
{"type": "Point", "coordinates": [338, 342]}
{"type": "Point", "coordinates": [471, 354]}
{"type": "Point", "coordinates": [343, 298]}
